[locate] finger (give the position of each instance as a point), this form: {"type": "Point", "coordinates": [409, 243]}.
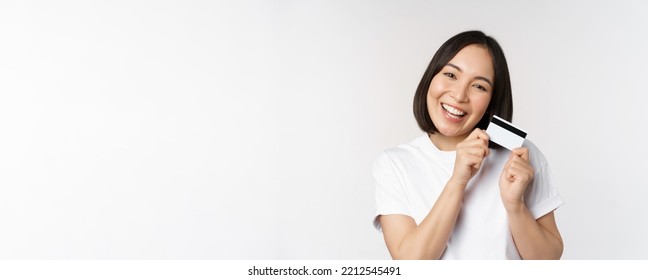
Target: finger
{"type": "Point", "coordinates": [508, 175]}
{"type": "Point", "coordinates": [518, 175]}
{"type": "Point", "coordinates": [519, 162]}
{"type": "Point", "coordinates": [473, 161]}
{"type": "Point", "coordinates": [522, 152]}
{"type": "Point", "coordinates": [478, 134]}
{"type": "Point", "coordinates": [476, 151]}
{"type": "Point", "coordinates": [473, 134]}
{"type": "Point", "coordinates": [482, 135]}
{"type": "Point", "coordinates": [475, 143]}
{"type": "Point", "coordinates": [476, 162]}
{"type": "Point", "coordinates": [520, 169]}
{"type": "Point", "coordinates": [477, 166]}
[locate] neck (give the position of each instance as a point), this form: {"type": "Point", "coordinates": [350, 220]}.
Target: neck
{"type": "Point", "coordinates": [446, 143]}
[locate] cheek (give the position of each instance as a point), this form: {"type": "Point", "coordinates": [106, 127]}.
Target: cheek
{"type": "Point", "coordinates": [481, 103]}
{"type": "Point", "coordinates": [437, 87]}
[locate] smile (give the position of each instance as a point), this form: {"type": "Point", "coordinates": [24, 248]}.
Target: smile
{"type": "Point", "coordinates": [452, 111]}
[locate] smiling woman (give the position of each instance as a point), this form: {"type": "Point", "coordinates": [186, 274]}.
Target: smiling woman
{"type": "Point", "coordinates": [446, 194]}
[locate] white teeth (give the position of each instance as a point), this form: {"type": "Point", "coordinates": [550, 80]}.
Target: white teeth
{"type": "Point", "coordinates": [453, 110]}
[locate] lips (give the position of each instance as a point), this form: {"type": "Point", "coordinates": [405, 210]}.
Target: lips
{"type": "Point", "coordinates": [453, 111]}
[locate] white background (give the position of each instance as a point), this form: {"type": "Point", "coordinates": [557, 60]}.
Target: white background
{"type": "Point", "coordinates": [247, 129]}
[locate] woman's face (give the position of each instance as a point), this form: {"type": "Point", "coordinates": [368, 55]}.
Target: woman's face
{"type": "Point", "coordinates": [459, 94]}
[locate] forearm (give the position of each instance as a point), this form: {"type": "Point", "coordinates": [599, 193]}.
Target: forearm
{"type": "Point", "coordinates": [429, 239]}
{"type": "Point", "coordinates": [532, 240]}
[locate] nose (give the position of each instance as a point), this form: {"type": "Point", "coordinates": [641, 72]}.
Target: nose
{"type": "Point", "coordinates": [460, 93]}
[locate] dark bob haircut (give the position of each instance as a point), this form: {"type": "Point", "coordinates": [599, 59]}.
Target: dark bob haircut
{"type": "Point", "coordinates": [501, 103]}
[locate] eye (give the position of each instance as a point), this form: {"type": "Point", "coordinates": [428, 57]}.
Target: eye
{"type": "Point", "coordinates": [449, 75]}
{"type": "Point", "coordinates": [480, 87]}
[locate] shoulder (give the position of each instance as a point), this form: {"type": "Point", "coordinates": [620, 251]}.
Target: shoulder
{"type": "Point", "coordinates": [536, 157]}
{"type": "Point", "coordinates": [399, 154]}
{"type": "Point", "coordinates": [541, 196]}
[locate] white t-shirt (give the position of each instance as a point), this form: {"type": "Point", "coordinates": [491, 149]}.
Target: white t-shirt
{"type": "Point", "coordinates": [410, 178]}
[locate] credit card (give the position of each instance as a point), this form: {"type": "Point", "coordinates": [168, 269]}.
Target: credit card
{"type": "Point", "coordinates": [505, 133]}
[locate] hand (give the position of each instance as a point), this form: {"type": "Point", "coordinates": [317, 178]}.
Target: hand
{"type": "Point", "coordinates": [471, 152]}
{"type": "Point", "coordinates": [515, 178]}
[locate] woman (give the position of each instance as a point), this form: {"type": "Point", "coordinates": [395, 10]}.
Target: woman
{"type": "Point", "coordinates": [446, 194]}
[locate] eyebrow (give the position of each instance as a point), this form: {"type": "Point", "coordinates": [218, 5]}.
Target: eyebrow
{"type": "Point", "coordinates": [478, 77]}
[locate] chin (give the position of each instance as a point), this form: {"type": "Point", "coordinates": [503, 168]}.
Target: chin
{"type": "Point", "coordinates": [447, 133]}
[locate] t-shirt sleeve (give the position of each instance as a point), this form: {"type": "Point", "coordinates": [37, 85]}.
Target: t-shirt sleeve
{"type": "Point", "coordinates": [389, 193]}
{"type": "Point", "coordinates": [541, 196]}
